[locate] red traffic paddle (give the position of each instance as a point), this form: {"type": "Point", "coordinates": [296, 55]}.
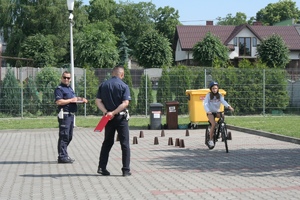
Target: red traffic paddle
{"type": "Point", "coordinates": [102, 123]}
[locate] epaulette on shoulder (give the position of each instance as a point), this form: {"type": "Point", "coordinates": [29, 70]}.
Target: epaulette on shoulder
{"type": "Point", "coordinates": [58, 88]}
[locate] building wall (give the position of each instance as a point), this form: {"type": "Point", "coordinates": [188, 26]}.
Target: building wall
{"type": "Point", "coordinates": [179, 54]}
{"type": "Point", "coordinates": [184, 57]}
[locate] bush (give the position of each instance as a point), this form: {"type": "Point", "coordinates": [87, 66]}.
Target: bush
{"type": "Point", "coordinates": [47, 80]}
{"type": "Point", "coordinates": [32, 101]}
{"type": "Point", "coordinates": [10, 96]}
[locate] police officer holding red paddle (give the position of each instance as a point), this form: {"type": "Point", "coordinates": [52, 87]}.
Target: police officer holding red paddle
{"type": "Point", "coordinates": [112, 99]}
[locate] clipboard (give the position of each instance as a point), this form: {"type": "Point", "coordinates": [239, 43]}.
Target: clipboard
{"type": "Point", "coordinates": [102, 123]}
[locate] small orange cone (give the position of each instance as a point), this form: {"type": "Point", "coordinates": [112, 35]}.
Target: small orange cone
{"type": "Point", "coordinates": [229, 136]}
{"type": "Point", "coordinates": [187, 133]}
{"type": "Point", "coordinates": [177, 142]}
{"type": "Point", "coordinates": [141, 134]}
{"type": "Point", "coordinates": [181, 143]}
{"type": "Point", "coordinates": [135, 141]}
{"type": "Point", "coordinates": [156, 140]}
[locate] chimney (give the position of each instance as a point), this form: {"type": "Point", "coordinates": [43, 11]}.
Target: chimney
{"type": "Point", "coordinates": [209, 23]}
{"type": "Point", "coordinates": [257, 24]}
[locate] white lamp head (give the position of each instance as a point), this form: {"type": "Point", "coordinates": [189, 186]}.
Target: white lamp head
{"type": "Point", "coordinates": [70, 4]}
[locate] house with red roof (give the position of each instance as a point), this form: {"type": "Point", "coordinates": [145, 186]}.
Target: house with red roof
{"type": "Point", "coordinates": [242, 40]}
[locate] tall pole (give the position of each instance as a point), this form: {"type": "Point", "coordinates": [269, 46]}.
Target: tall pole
{"type": "Point", "coordinates": [71, 53]}
{"type": "Point", "coordinates": [70, 4]}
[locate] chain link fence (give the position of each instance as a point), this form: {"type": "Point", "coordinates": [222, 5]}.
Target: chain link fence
{"type": "Point", "coordinates": [27, 92]}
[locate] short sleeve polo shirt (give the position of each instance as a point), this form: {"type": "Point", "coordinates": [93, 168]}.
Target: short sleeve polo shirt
{"type": "Point", "coordinates": [113, 92]}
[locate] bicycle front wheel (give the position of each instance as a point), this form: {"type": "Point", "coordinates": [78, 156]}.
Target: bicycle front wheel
{"type": "Point", "coordinates": [224, 137]}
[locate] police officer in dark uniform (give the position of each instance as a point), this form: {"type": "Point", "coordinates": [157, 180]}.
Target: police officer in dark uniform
{"type": "Point", "coordinates": [66, 101]}
{"type": "Point", "coordinates": [112, 99]}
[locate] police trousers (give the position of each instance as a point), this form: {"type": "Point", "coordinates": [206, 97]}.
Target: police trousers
{"type": "Point", "coordinates": [65, 136]}
{"type": "Point", "coordinates": [119, 124]}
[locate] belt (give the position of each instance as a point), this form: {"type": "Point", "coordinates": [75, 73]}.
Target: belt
{"type": "Point", "coordinates": [69, 113]}
{"type": "Point", "coordinates": [121, 113]}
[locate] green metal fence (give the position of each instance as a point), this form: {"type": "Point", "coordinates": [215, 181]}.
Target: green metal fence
{"type": "Point", "coordinates": [249, 91]}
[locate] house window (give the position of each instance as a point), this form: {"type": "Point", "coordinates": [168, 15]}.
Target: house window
{"type": "Point", "coordinates": [244, 46]}
{"type": "Point", "coordinates": [254, 42]}
{"type": "Point", "coordinates": [235, 41]}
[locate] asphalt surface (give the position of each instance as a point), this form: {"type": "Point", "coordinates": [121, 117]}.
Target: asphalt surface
{"type": "Point", "coordinates": [256, 167]}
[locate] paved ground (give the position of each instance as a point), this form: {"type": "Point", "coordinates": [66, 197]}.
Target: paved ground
{"type": "Point", "coordinates": [255, 168]}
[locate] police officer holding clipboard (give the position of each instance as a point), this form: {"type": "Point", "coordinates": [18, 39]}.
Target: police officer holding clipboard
{"type": "Point", "coordinates": [66, 102]}
{"type": "Point", "coordinates": [112, 99]}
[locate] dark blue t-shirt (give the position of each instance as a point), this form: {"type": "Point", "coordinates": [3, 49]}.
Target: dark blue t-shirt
{"type": "Point", "coordinates": [65, 92]}
{"type": "Point", "coordinates": [113, 92]}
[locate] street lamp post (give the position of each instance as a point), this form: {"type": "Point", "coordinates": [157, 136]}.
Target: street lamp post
{"type": "Point", "coordinates": [70, 4]}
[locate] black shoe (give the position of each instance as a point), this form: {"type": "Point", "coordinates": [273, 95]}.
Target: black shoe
{"type": "Point", "coordinates": [104, 172]}
{"type": "Point", "coordinates": [65, 161]}
{"type": "Point", "coordinates": [73, 160]}
{"type": "Point", "coordinates": [127, 173]}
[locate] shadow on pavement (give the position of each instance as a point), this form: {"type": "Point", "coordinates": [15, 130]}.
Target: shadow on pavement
{"type": "Point", "coordinates": [253, 162]}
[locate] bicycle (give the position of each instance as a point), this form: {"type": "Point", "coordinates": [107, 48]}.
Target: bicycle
{"type": "Point", "coordinates": [220, 128]}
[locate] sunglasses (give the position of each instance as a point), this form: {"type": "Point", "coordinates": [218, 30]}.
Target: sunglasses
{"type": "Point", "coordinates": [64, 77]}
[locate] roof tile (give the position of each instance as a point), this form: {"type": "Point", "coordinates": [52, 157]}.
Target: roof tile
{"type": "Point", "coordinates": [189, 35]}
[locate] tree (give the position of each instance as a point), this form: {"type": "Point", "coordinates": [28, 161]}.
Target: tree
{"type": "Point", "coordinates": [31, 97]}
{"type": "Point", "coordinates": [153, 50]}
{"type": "Point", "coordinates": [277, 12]}
{"type": "Point", "coordinates": [133, 19]}
{"type": "Point", "coordinates": [164, 87]}
{"type": "Point", "coordinates": [128, 80]}
{"type": "Point", "coordinates": [47, 80]}
{"type": "Point", "coordinates": [199, 81]}
{"type": "Point", "coordinates": [274, 52]}
{"type": "Point", "coordinates": [96, 46]}
{"type": "Point", "coordinates": [210, 50]}
{"type": "Point", "coordinates": [91, 84]}
{"type": "Point", "coordinates": [180, 84]}
{"type": "Point", "coordinates": [144, 100]}
{"type": "Point", "coordinates": [28, 18]}
{"type": "Point", "coordinates": [40, 48]}
{"type": "Point", "coordinates": [277, 96]}
{"type": "Point", "coordinates": [124, 50]}
{"type": "Point", "coordinates": [10, 96]}
{"type": "Point", "coordinates": [101, 10]}
{"type": "Point", "coordinates": [166, 21]}
{"type": "Point", "coordinates": [21, 19]}
{"type": "Point", "coordinates": [238, 19]}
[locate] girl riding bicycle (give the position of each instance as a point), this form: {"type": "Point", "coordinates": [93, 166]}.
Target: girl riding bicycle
{"type": "Point", "coordinates": [212, 103]}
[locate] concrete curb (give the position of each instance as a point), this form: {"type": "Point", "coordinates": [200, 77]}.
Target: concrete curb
{"type": "Point", "coordinates": [265, 134]}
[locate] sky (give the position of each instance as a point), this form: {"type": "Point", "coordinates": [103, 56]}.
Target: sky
{"type": "Point", "coordinates": [197, 12]}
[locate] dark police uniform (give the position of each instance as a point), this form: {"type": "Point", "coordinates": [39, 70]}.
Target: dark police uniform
{"type": "Point", "coordinates": [112, 93]}
{"type": "Point", "coordinates": [66, 124]}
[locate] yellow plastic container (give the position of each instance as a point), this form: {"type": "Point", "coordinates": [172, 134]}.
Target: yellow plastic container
{"type": "Point", "coordinates": [197, 112]}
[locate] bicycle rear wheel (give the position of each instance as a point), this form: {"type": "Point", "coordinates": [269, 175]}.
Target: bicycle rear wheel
{"type": "Point", "coordinates": [224, 137]}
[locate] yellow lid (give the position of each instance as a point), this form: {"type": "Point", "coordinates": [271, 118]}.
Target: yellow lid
{"type": "Point", "coordinates": [203, 91]}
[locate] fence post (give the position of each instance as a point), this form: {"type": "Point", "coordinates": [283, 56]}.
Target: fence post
{"type": "Point", "coordinates": [21, 83]}
{"type": "Point", "coordinates": [205, 78]}
{"type": "Point", "coordinates": [264, 92]}
{"type": "Point", "coordinates": [146, 96]}
{"type": "Point", "coordinates": [84, 74]}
